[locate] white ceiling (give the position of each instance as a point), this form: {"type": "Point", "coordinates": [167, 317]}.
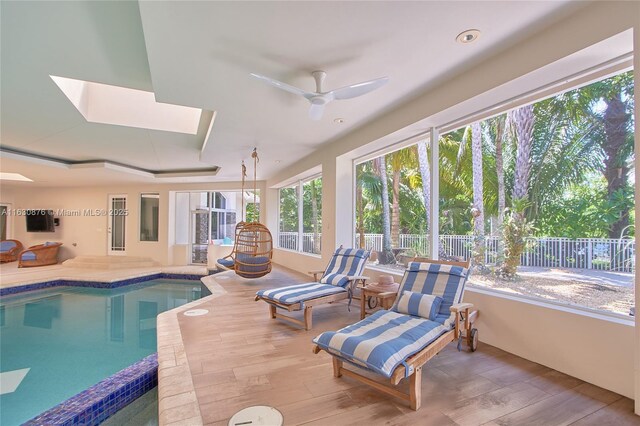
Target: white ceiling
{"type": "Point", "coordinates": [200, 54]}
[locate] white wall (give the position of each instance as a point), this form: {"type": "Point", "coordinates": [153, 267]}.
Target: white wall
{"type": "Point", "coordinates": [599, 351]}
{"type": "Point", "coordinates": [87, 235]}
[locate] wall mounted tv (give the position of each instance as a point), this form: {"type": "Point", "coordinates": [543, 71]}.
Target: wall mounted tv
{"type": "Point", "coordinates": [39, 220]}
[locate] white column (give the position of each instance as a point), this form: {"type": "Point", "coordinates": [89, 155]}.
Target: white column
{"type": "Point", "coordinates": [344, 203]}
{"type": "Point", "coordinates": [636, 76]}
{"type": "Point", "coordinates": [300, 217]}
{"type": "Point", "coordinates": [434, 225]}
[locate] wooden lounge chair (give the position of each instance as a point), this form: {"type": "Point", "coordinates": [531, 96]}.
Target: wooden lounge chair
{"type": "Point", "coordinates": [398, 342]}
{"type": "Point", "coordinates": [9, 250]}
{"type": "Point", "coordinates": [40, 255]}
{"type": "Point", "coordinates": [337, 283]}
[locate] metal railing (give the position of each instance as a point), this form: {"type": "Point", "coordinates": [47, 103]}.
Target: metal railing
{"type": "Point", "coordinates": [549, 252]}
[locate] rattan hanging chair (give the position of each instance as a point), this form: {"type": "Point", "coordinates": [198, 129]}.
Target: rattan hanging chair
{"type": "Point", "coordinates": [253, 247]}
{"type": "Point", "coordinates": [253, 251]}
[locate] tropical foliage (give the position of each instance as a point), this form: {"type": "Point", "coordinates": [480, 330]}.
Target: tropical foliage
{"type": "Point", "coordinates": [560, 167]}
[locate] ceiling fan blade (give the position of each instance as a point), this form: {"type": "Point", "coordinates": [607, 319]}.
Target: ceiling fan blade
{"type": "Point", "coordinates": [315, 112]}
{"type": "Point", "coordinates": [359, 89]}
{"type": "Point", "coordinates": [280, 85]}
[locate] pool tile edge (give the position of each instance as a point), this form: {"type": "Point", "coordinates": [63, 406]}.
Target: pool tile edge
{"type": "Point", "coordinates": [178, 404]}
{"type": "Point", "coordinates": [7, 291]}
{"type": "Point", "coordinates": [100, 401]}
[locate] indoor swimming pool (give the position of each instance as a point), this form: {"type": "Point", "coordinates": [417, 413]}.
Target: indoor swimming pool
{"type": "Point", "coordinates": [59, 341]}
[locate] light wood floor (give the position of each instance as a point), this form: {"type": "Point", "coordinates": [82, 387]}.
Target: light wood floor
{"type": "Point", "coordinates": [239, 357]}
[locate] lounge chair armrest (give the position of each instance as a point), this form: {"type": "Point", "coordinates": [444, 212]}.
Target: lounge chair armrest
{"type": "Point", "coordinates": [315, 274]}
{"type": "Point", "coordinates": [358, 277]}
{"type": "Point", "coordinates": [460, 307]}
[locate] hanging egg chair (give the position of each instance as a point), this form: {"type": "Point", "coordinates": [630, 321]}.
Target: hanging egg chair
{"type": "Point", "coordinates": [253, 247]}
{"type": "Point", "coordinates": [253, 251]}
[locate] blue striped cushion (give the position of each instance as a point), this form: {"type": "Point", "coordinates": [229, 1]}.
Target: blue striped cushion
{"type": "Point", "coordinates": [381, 341]}
{"type": "Point", "coordinates": [300, 292]}
{"type": "Point", "coordinates": [446, 281]}
{"type": "Point", "coordinates": [335, 279]}
{"type": "Point", "coordinates": [345, 262]}
{"type": "Point", "coordinates": [419, 305]}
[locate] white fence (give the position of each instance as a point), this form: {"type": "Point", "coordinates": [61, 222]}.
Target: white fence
{"type": "Point", "coordinates": [585, 253]}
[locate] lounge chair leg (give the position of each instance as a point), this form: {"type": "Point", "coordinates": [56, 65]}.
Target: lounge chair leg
{"type": "Point", "coordinates": [308, 321]}
{"type": "Point", "coordinates": [415, 389]}
{"type": "Point", "coordinates": [272, 311]}
{"type": "Point", "coordinates": [337, 367]}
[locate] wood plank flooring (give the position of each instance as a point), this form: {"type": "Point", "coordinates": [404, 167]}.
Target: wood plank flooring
{"type": "Point", "coordinates": [239, 357]}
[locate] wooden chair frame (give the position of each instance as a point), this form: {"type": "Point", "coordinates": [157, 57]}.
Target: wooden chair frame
{"type": "Point", "coordinates": [45, 255]}
{"type": "Point", "coordinates": [465, 318]}
{"type": "Point", "coordinates": [12, 254]}
{"type": "Point", "coordinates": [307, 323]}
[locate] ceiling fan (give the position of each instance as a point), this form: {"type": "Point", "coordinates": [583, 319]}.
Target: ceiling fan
{"type": "Point", "coordinates": [319, 99]}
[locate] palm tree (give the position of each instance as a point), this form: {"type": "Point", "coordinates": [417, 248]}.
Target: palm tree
{"type": "Point", "coordinates": [516, 228]}
{"type": "Point", "coordinates": [368, 200]}
{"type": "Point", "coordinates": [314, 216]}
{"type": "Point", "coordinates": [500, 124]}
{"type": "Point", "coordinates": [386, 256]}
{"type": "Point", "coordinates": [398, 160]}
{"type": "Point", "coordinates": [477, 211]}
{"type": "Point", "coordinates": [616, 139]}
{"type": "Point", "coordinates": [476, 155]}
{"type": "Point", "coordinates": [565, 152]}
{"type": "Point", "coordinates": [523, 120]}
{"type": "Point", "coordinates": [425, 174]}
{"type": "Point", "coordinates": [616, 170]}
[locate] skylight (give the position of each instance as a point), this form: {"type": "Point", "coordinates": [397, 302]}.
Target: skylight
{"type": "Point", "coordinates": [121, 106]}
{"type": "Point", "coordinates": [14, 176]}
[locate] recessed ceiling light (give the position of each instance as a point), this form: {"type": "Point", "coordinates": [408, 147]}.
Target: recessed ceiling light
{"type": "Point", "coordinates": [14, 176]}
{"type": "Point", "coordinates": [468, 36]}
{"type": "Point", "coordinates": [339, 120]}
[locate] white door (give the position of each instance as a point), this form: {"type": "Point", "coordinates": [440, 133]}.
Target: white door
{"type": "Point", "coordinates": [117, 225]}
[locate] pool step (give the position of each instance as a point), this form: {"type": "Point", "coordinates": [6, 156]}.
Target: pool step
{"type": "Point", "coordinates": [110, 262]}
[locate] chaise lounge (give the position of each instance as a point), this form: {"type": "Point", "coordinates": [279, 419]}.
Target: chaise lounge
{"type": "Point", "coordinates": [337, 283]}
{"type": "Point", "coordinates": [40, 255]}
{"type": "Point", "coordinates": [426, 316]}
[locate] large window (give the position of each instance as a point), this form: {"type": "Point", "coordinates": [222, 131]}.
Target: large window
{"type": "Point", "coordinates": [300, 213]}
{"type": "Point", "coordinates": [540, 199]}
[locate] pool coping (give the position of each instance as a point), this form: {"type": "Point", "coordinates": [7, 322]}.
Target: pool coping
{"type": "Point", "coordinates": [21, 288]}
{"type": "Point", "coordinates": [177, 401]}
{"type": "Point", "coordinates": [95, 404]}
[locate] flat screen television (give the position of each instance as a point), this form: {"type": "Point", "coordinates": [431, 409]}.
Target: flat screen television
{"type": "Point", "coordinates": [39, 220]}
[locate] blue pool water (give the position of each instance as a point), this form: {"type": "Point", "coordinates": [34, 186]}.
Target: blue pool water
{"type": "Point", "coordinates": [70, 338]}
